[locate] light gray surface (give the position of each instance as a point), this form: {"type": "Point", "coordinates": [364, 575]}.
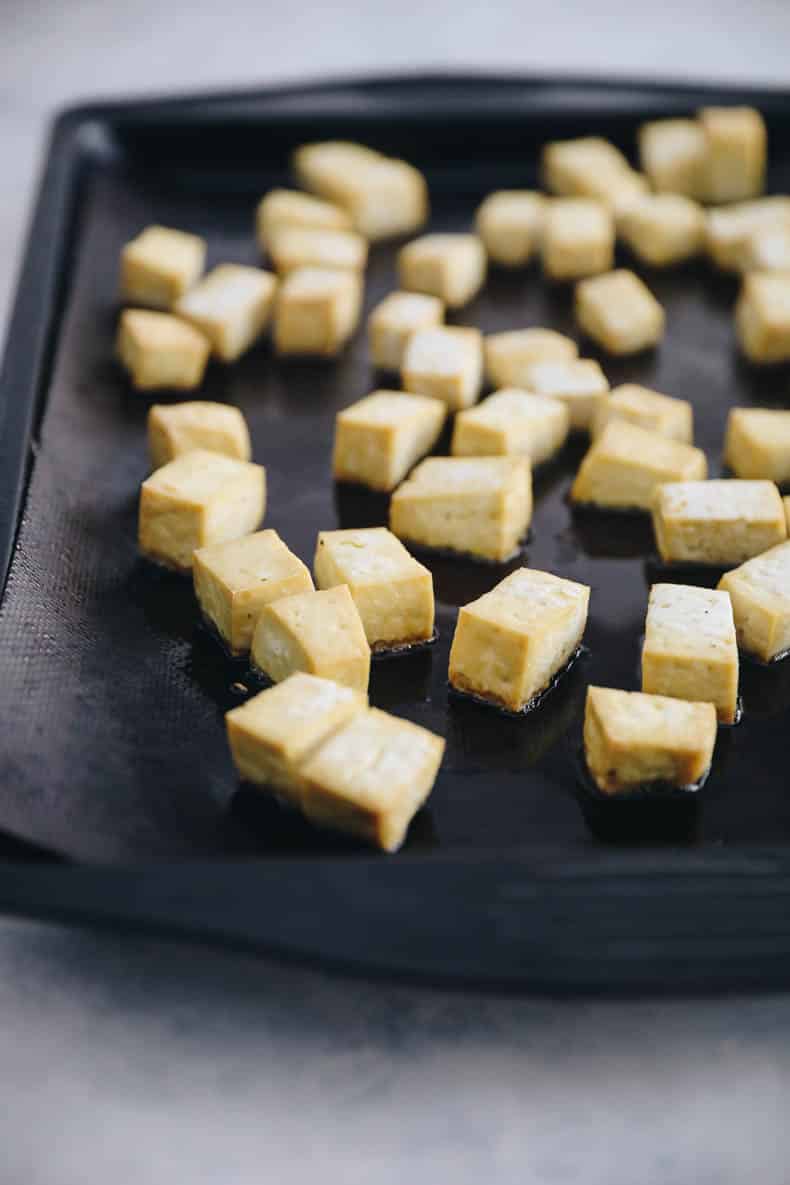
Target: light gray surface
{"type": "Point", "coordinates": [133, 1061]}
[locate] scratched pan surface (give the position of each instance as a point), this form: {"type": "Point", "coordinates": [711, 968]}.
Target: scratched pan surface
{"type": "Point", "coordinates": [112, 695]}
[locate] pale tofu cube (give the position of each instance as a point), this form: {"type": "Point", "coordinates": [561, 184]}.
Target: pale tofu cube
{"type": "Point", "coordinates": [159, 351]}
{"type": "Point", "coordinates": [762, 317]}
{"type": "Point", "coordinates": [673, 156]}
{"type": "Point", "coordinates": [395, 320]}
{"type": "Point", "coordinates": [383, 196]}
{"type": "Point", "coordinates": [510, 223]}
{"type": "Point", "coordinates": [176, 428]}
{"type": "Point", "coordinates": [451, 267]}
{"type": "Point", "coordinates": [757, 443]}
{"type": "Point", "coordinates": [767, 249]}
{"type": "Point", "coordinates": [633, 740]}
{"type": "Point", "coordinates": [760, 594]}
{"type": "Point", "coordinates": [690, 651]}
{"type": "Point", "coordinates": [235, 579]}
{"type": "Point", "coordinates": [198, 499]}
{"type": "Point", "coordinates": [663, 228]}
{"type": "Point", "coordinates": [275, 733]}
{"type": "Point", "coordinates": [625, 465]}
{"type": "Point", "coordinates": [371, 777]}
{"type": "Point", "coordinates": [231, 306]}
{"type": "Point", "coordinates": [285, 208]}
{"type": "Point", "coordinates": [391, 590]}
{"type": "Point", "coordinates": [578, 239]}
{"type": "Point", "coordinates": [619, 312]}
{"type": "Point", "coordinates": [720, 522]}
{"type": "Point", "coordinates": [579, 383]}
{"type": "Point", "coordinates": [735, 152]}
{"type": "Point", "coordinates": [297, 246]}
{"type": "Point", "coordinates": [317, 632]}
{"type": "Point", "coordinates": [590, 167]}
{"type": "Point", "coordinates": [670, 417]}
{"type": "Point", "coordinates": [478, 506]}
{"type": "Point", "coordinates": [508, 355]}
{"type": "Point", "coordinates": [512, 421]}
{"type": "Point", "coordinates": [317, 311]}
{"type": "Point", "coordinates": [381, 437]}
{"type": "Point", "coordinates": [160, 265]}
{"type": "Point", "coordinates": [510, 643]}
{"type": "Point", "coordinates": [446, 363]}
{"type": "Point", "coordinates": [730, 230]}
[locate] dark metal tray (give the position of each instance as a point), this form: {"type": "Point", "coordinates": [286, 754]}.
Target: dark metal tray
{"type": "Point", "coordinates": [113, 751]}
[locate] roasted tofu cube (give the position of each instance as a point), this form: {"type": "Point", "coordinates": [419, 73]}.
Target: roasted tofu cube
{"type": "Point", "coordinates": [510, 223]}
{"type": "Point", "coordinates": [663, 228]}
{"type": "Point", "coordinates": [619, 312]}
{"type": "Point", "coordinates": [590, 167]}
{"type": "Point", "coordinates": [673, 156]}
{"type": "Point", "coordinates": [381, 437]}
{"type": "Point", "coordinates": [760, 593]}
{"type": "Point", "coordinates": [317, 632]}
{"type": "Point", "coordinates": [160, 265]}
{"type": "Point", "coordinates": [578, 239]}
{"type": "Point", "coordinates": [176, 428]}
{"type": "Point", "coordinates": [762, 317]}
{"type": "Point", "coordinates": [757, 443]}
{"type": "Point", "coordinates": [231, 306]}
{"type": "Point", "coordinates": [579, 383]}
{"type": "Point", "coordinates": [305, 246]}
{"type": "Point", "coordinates": [648, 409]}
{"type": "Point", "coordinates": [730, 229]}
{"type": "Point", "coordinates": [626, 464]}
{"type": "Point", "coordinates": [161, 352]}
{"type": "Point", "coordinates": [317, 311]}
{"type": "Point", "coordinates": [717, 522]}
{"type": "Point", "coordinates": [393, 323]}
{"type": "Point", "coordinates": [508, 355]}
{"type": "Point", "coordinates": [284, 208]}
{"type": "Point", "coordinates": [735, 153]}
{"type": "Point", "coordinates": [767, 249]}
{"type": "Point", "coordinates": [512, 421]}
{"type": "Point", "coordinates": [446, 363]}
{"type": "Point", "coordinates": [451, 267]}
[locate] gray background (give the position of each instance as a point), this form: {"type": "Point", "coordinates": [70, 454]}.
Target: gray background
{"type": "Point", "coordinates": [127, 1060]}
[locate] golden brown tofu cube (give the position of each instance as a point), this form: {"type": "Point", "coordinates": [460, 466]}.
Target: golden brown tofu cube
{"type": "Point", "coordinates": [446, 363]}
{"type": "Point", "coordinates": [451, 267]}
{"type": "Point", "coordinates": [730, 229]}
{"type": "Point", "coordinates": [510, 224]}
{"type": "Point", "coordinates": [717, 522]}
{"type": "Point", "coordinates": [579, 383]}
{"type": "Point", "coordinates": [393, 323]}
{"type": "Point", "coordinates": [760, 593]}
{"type": "Point", "coordinates": [302, 246]}
{"type": "Point", "coordinates": [161, 352]}
{"type": "Point", "coordinates": [590, 167]}
{"type": "Point", "coordinates": [160, 265]}
{"type": "Point", "coordinates": [735, 152]}
{"type": "Point", "coordinates": [578, 239]}
{"type": "Point", "coordinates": [231, 306]}
{"type": "Point", "coordinates": [381, 437]}
{"type": "Point", "coordinates": [317, 311]}
{"type": "Point", "coordinates": [508, 355]}
{"type": "Point", "coordinates": [757, 443]}
{"type": "Point", "coordinates": [762, 317]}
{"type": "Point", "coordinates": [670, 417]}
{"type": "Point", "coordinates": [281, 208]}
{"type": "Point", "coordinates": [663, 228]}
{"type": "Point", "coordinates": [176, 428]}
{"type": "Point", "coordinates": [673, 156]}
{"type": "Point", "coordinates": [619, 312]}
{"type": "Point", "coordinates": [626, 464]}
{"type": "Point", "coordinates": [512, 421]}
{"type": "Point", "coordinates": [317, 632]}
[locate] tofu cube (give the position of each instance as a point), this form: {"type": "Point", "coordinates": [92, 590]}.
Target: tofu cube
{"type": "Point", "coordinates": [395, 320]}
{"type": "Point", "coordinates": [285, 208]}
{"type": "Point", "coordinates": [381, 437]}
{"type": "Point", "coordinates": [451, 267]}
{"type": "Point", "coordinates": [673, 418]}
{"type": "Point", "coordinates": [632, 740]}
{"type": "Point", "coordinates": [231, 306]}
{"type": "Point", "coordinates": [317, 311]}
{"type": "Point", "coordinates": [160, 265]}
{"type": "Point", "coordinates": [198, 499]}
{"type": "Point", "coordinates": [760, 595]}
{"type": "Point", "coordinates": [478, 506]}
{"type": "Point", "coordinates": [508, 355]}
{"type": "Point", "coordinates": [510, 643]}
{"type": "Point", "coordinates": [176, 428]}
{"type": "Point", "coordinates": [371, 777]}
{"type": "Point", "coordinates": [673, 155]}
{"type": "Point", "coordinates": [275, 733]}
{"type": "Point", "coordinates": [159, 351]}
{"type": "Point", "coordinates": [579, 383]}
{"type": "Point", "coordinates": [317, 632]}
{"type": "Point", "coordinates": [510, 224]}
{"type": "Point", "coordinates": [626, 464]}
{"type": "Point", "coordinates": [590, 167]}
{"type": "Point", "coordinates": [447, 363]}
{"type": "Point", "coordinates": [663, 228]}
{"type": "Point", "coordinates": [512, 421]}
{"type": "Point", "coordinates": [391, 590]}
{"type": "Point", "coordinates": [619, 312]}
{"type": "Point", "coordinates": [717, 522]}
{"type": "Point", "coordinates": [304, 246]}
{"type": "Point", "coordinates": [578, 239]}
{"type": "Point", "coordinates": [729, 230]}
{"type": "Point", "coordinates": [757, 443]}
{"type": "Point", "coordinates": [735, 152]}
{"type": "Point", "coordinates": [235, 579]}
{"type": "Point", "coordinates": [762, 317]}
{"type": "Point", "coordinates": [690, 651]}
{"type": "Point", "coordinates": [767, 249]}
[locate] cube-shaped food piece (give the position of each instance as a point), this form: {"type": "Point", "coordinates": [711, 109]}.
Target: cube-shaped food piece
{"type": "Point", "coordinates": [762, 316]}
{"type": "Point", "coordinates": [317, 311]}
{"type": "Point", "coordinates": [160, 265]}
{"type": "Point", "coordinates": [371, 777]}
{"type": "Point", "coordinates": [673, 156]}
{"type": "Point", "coordinates": [317, 632]}
{"type": "Point", "coordinates": [450, 266]}
{"type": "Point", "coordinates": [579, 383]}
{"type": "Point", "coordinates": [395, 320]}
{"type": "Point", "coordinates": [619, 312]}
{"type": "Point", "coordinates": [730, 229]}
{"type": "Point", "coordinates": [391, 590]}
{"type": "Point", "coordinates": [231, 305]}
{"type": "Point", "coordinates": [510, 223]}
{"type": "Point", "coordinates": [578, 239]}
{"type": "Point", "coordinates": [508, 355]}
{"type": "Point", "coordinates": [235, 579]}
{"type": "Point", "coordinates": [590, 167]}
{"type": "Point", "coordinates": [512, 421]}
{"type": "Point", "coordinates": [663, 228]}
{"type": "Point", "coordinates": [633, 740]}
{"type": "Point", "coordinates": [479, 506]}
{"type": "Point", "coordinates": [272, 735]}
{"type": "Point", "coordinates": [690, 651]}
{"type": "Point", "coordinates": [198, 499]}
{"type": "Point", "coordinates": [160, 351]}
{"type": "Point", "coordinates": [306, 246]}
{"type": "Point", "coordinates": [447, 363]}
{"type": "Point", "coordinates": [717, 522]}
{"type": "Point", "coordinates": [382, 195]}
{"type": "Point", "coordinates": [176, 428]}
{"type": "Point", "coordinates": [757, 443]}
{"type": "Point", "coordinates": [767, 249]}
{"type": "Point", "coordinates": [735, 152]}
{"type": "Point", "coordinates": [670, 417]}
{"type": "Point", "coordinates": [281, 208]}
{"type": "Point", "coordinates": [510, 643]}
{"type": "Point", "coordinates": [379, 438]}
{"type": "Point", "coordinates": [625, 465]}
{"type": "Point", "coordinates": [760, 595]}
